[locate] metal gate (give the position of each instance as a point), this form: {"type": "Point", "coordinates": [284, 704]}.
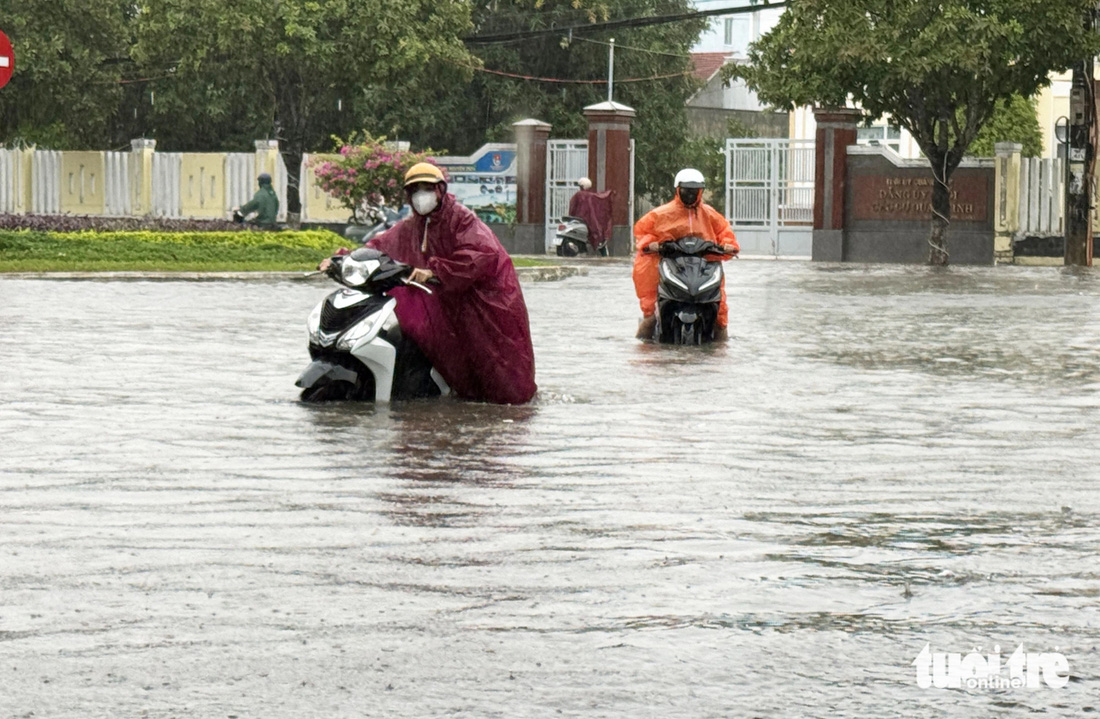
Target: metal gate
{"type": "Point", "coordinates": [566, 162]}
{"type": "Point", "coordinates": [770, 195]}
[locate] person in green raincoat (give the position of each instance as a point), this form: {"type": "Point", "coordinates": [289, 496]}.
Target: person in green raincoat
{"type": "Point", "coordinates": [265, 203]}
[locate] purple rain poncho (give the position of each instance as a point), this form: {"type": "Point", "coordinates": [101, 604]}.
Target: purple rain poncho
{"type": "Point", "coordinates": [474, 329]}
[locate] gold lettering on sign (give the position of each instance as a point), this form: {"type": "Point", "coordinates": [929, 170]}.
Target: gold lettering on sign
{"type": "Point", "coordinates": [877, 197]}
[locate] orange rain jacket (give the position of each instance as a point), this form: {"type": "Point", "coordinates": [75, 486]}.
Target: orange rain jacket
{"type": "Point", "coordinates": [673, 221]}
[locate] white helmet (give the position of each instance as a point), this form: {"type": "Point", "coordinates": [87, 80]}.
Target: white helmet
{"type": "Point", "coordinates": [584, 183]}
{"type": "Point", "coordinates": [689, 178]}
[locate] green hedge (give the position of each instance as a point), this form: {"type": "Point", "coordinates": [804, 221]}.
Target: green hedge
{"type": "Point", "coordinates": [33, 251]}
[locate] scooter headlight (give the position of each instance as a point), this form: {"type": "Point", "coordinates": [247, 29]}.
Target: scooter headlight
{"type": "Point", "coordinates": [712, 281]}
{"type": "Point", "coordinates": [355, 273]}
{"type": "Point", "coordinates": [359, 331]}
{"type": "Point", "coordinates": [313, 324]}
{"type": "Point", "coordinates": [663, 267]}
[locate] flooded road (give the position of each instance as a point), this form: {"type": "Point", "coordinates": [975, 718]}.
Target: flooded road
{"type": "Point", "coordinates": [883, 458]}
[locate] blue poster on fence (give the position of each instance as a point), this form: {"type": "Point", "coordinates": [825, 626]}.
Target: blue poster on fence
{"type": "Point", "coordinates": [485, 178]}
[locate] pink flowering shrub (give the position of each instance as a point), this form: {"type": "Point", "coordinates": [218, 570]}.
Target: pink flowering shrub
{"type": "Point", "coordinates": [368, 172]}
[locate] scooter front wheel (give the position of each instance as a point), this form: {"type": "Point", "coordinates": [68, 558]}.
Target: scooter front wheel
{"type": "Point", "coordinates": [688, 334]}
{"type": "Point", "coordinates": [328, 392]}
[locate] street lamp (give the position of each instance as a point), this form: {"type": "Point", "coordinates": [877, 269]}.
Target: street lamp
{"type": "Point", "coordinates": [1061, 130]}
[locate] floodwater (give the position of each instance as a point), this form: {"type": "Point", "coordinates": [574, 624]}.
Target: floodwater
{"type": "Point", "coordinates": [883, 458]}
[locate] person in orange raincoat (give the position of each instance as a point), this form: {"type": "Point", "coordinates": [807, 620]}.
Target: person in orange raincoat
{"type": "Point", "coordinates": [686, 216]}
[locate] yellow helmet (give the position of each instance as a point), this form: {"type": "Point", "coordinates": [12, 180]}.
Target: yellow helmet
{"type": "Point", "coordinates": [423, 172]}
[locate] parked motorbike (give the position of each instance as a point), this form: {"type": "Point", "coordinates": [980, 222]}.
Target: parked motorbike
{"type": "Point", "coordinates": [370, 220]}
{"type": "Point", "coordinates": [689, 291]}
{"type": "Point", "coordinates": [357, 349]}
{"type": "Point", "coordinates": [571, 239]}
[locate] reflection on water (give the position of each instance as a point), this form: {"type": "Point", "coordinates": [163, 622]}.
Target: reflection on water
{"type": "Point", "coordinates": [882, 458]}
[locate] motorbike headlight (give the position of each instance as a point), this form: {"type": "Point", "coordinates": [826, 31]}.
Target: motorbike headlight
{"type": "Point", "coordinates": [666, 274]}
{"type": "Point", "coordinates": [712, 281]}
{"type": "Point", "coordinates": [358, 332]}
{"type": "Point", "coordinates": [313, 324]}
{"type": "Point", "coordinates": [353, 272]}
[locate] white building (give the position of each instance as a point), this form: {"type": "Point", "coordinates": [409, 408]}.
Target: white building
{"type": "Point", "coordinates": [731, 34]}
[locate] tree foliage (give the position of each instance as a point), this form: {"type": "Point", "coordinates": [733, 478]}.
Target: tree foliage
{"type": "Point", "coordinates": [294, 70]}
{"type": "Point", "coordinates": [1012, 121]}
{"type": "Point", "coordinates": [65, 88]}
{"type": "Point", "coordinates": [208, 75]}
{"type": "Point", "coordinates": [937, 67]}
{"type": "Point", "coordinates": [485, 109]}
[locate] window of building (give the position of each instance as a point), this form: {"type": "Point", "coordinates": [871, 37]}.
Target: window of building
{"type": "Point", "coordinates": [729, 31]}
{"type": "Point", "coordinates": [887, 135]}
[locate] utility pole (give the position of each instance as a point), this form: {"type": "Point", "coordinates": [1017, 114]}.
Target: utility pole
{"type": "Point", "coordinates": [1082, 161]}
{"type": "Point", "coordinates": [611, 71]}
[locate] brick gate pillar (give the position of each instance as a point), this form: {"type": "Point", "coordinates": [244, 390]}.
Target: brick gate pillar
{"type": "Point", "coordinates": [836, 130]}
{"type": "Point", "coordinates": [609, 166]}
{"type": "Point", "coordinates": [530, 231]}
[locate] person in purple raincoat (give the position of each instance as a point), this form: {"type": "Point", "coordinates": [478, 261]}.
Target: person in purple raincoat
{"type": "Point", "coordinates": [474, 328]}
{"type": "Point", "coordinates": [595, 209]}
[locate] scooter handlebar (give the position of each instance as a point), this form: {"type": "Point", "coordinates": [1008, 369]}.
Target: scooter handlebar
{"type": "Point", "coordinates": [667, 249]}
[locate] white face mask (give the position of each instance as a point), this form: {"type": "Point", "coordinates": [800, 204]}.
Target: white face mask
{"type": "Point", "coordinates": [424, 201]}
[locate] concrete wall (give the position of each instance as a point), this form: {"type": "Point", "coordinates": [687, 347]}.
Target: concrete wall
{"type": "Point", "coordinates": [82, 181]}
{"type": "Point", "coordinates": [886, 218]}
{"type": "Point", "coordinates": [138, 183]}
{"type": "Point", "coordinates": [318, 205]}
{"type": "Point", "coordinates": [202, 185]}
{"type": "Point", "coordinates": [712, 122]}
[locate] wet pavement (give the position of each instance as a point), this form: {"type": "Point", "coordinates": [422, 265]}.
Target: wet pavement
{"type": "Point", "coordinates": [883, 458]}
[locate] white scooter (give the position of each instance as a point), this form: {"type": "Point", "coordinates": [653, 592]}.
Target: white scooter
{"type": "Point", "coordinates": [355, 340]}
{"type": "Point", "coordinates": [571, 239]}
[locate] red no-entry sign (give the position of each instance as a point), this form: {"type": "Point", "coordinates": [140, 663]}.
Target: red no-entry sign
{"type": "Point", "coordinates": [7, 59]}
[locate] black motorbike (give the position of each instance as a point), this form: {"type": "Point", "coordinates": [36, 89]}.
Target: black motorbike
{"type": "Point", "coordinates": [689, 291]}
{"type": "Point", "coordinates": [357, 349]}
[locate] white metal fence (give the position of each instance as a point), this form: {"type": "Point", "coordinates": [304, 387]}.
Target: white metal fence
{"type": "Point", "coordinates": [116, 184]}
{"type": "Point", "coordinates": [240, 179]}
{"type": "Point", "coordinates": [167, 171]}
{"type": "Point", "coordinates": [122, 178]}
{"type": "Point", "coordinates": [1042, 196]}
{"type": "Point", "coordinates": [11, 178]}
{"type": "Point", "coordinates": [566, 162]}
{"type": "Point", "coordinates": [46, 182]}
{"type": "Point", "coordinates": [770, 195]}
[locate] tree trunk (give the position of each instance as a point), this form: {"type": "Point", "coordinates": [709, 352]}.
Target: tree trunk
{"type": "Point", "coordinates": [938, 158]}
{"type": "Point", "coordinates": [941, 219]}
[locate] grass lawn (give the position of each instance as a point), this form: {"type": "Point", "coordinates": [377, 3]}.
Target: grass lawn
{"type": "Point", "coordinates": [290, 251]}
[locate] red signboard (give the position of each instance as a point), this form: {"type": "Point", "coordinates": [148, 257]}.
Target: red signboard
{"type": "Point", "coordinates": [7, 59]}
{"type": "Point", "coordinates": [908, 196]}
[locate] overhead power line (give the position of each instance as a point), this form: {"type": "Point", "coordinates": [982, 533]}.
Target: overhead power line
{"type": "Point", "coordinates": [620, 46]}
{"type": "Point", "coordinates": [567, 81]}
{"type": "Point", "coordinates": [615, 24]}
